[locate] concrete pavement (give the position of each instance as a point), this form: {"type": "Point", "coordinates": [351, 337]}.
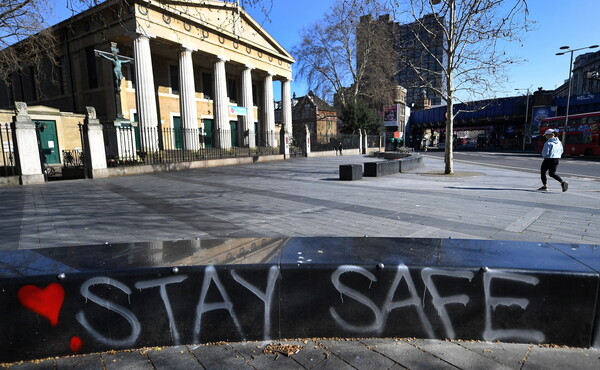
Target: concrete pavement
{"type": "Point", "coordinates": [302, 197]}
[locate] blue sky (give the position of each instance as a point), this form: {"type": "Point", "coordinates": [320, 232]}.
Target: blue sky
{"type": "Point", "coordinates": [575, 23]}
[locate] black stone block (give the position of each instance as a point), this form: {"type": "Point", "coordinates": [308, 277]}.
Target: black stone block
{"type": "Point", "coordinates": [381, 168]}
{"type": "Point", "coordinates": [351, 172]}
{"type": "Point", "coordinates": [410, 163]}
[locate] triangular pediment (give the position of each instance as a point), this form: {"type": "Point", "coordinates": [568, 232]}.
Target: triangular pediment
{"type": "Point", "coordinates": [229, 20]}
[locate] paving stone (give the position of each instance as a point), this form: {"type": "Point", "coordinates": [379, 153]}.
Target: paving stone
{"type": "Point", "coordinates": [357, 354]}
{"type": "Point", "coordinates": [562, 358]}
{"type": "Point", "coordinates": [87, 362]}
{"type": "Point", "coordinates": [407, 355]}
{"type": "Point", "coordinates": [131, 360]}
{"type": "Point", "coordinates": [508, 354]}
{"type": "Point", "coordinates": [253, 353]}
{"type": "Point", "coordinates": [33, 365]}
{"type": "Point", "coordinates": [165, 358]}
{"type": "Point", "coordinates": [221, 356]}
{"type": "Point", "coordinates": [457, 355]}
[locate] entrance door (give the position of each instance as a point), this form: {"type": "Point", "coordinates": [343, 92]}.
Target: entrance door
{"type": "Point", "coordinates": [178, 133]}
{"type": "Point", "coordinates": [256, 135]}
{"type": "Point", "coordinates": [48, 141]}
{"type": "Point", "coordinates": [208, 133]}
{"type": "Point", "coordinates": [234, 133]}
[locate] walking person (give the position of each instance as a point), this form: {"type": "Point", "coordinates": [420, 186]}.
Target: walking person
{"type": "Point", "coordinates": [551, 152]}
{"type": "Point", "coordinates": [340, 147]}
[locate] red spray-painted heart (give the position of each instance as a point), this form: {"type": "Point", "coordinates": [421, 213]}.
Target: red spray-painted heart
{"type": "Point", "coordinates": [46, 302]}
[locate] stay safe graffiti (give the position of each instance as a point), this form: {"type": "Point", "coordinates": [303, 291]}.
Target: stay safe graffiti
{"type": "Point", "coordinates": [206, 304]}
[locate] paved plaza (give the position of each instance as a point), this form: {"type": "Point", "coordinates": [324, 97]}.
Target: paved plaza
{"type": "Point", "coordinates": [300, 197]}
{"type": "Point", "coordinates": [303, 197]}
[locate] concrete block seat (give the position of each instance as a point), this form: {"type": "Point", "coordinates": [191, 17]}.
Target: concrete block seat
{"type": "Point", "coordinates": [351, 172]}
{"type": "Point", "coordinates": [381, 168]}
{"type": "Point", "coordinates": [85, 299]}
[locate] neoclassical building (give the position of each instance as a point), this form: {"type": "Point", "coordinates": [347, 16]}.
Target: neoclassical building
{"type": "Point", "coordinates": [200, 66]}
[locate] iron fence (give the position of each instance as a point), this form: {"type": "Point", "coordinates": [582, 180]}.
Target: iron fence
{"type": "Point", "coordinates": [73, 158]}
{"type": "Point", "coordinates": [8, 157]}
{"type": "Point", "coordinates": [131, 145]}
{"type": "Point", "coordinates": [321, 143]}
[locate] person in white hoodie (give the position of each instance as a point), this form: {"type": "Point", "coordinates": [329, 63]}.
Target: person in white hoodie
{"type": "Point", "coordinates": [551, 153]}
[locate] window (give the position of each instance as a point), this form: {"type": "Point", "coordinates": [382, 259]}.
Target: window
{"type": "Point", "coordinates": [174, 79]}
{"type": "Point", "coordinates": [232, 90]}
{"type": "Point", "coordinates": [34, 85]}
{"type": "Point", "coordinates": [92, 73]}
{"type": "Point", "coordinates": [207, 85]}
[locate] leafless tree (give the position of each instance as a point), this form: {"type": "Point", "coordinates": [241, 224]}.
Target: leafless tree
{"type": "Point", "coordinates": [329, 57]}
{"type": "Point", "coordinates": [23, 36]}
{"type": "Point", "coordinates": [474, 35]}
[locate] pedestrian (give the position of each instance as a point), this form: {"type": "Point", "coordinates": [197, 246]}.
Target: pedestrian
{"type": "Point", "coordinates": [340, 148]}
{"type": "Point", "coordinates": [551, 152]}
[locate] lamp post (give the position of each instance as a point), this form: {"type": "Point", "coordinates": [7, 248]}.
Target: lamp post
{"type": "Point", "coordinates": [567, 49]}
{"type": "Point", "coordinates": [526, 127]}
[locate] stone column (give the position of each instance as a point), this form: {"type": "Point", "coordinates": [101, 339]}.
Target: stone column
{"type": "Point", "coordinates": [247, 121]}
{"type": "Point", "coordinates": [286, 116]}
{"type": "Point", "coordinates": [306, 141]}
{"type": "Point", "coordinates": [220, 105]}
{"type": "Point", "coordinates": [360, 142]}
{"type": "Point", "coordinates": [27, 152]}
{"type": "Point", "coordinates": [95, 154]}
{"type": "Point", "coordinates": [187, 100]}
{"type": "Point", "coordinates": [145, 93]}
{"type": "Point", "coordinates": [269, 111]}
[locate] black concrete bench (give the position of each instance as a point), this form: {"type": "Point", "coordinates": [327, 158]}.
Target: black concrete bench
{"type": "Point", "coordinates": [381, 168]}
{"type": "Point", "coordinates": [410, 163]}
{"type": "Point", "coordinates": [84, 299]}
{"type": "Point", "coordinates": [351, 172]}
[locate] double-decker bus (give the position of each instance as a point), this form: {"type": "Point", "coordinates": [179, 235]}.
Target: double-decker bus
{"type": "Point", "coordinates": [582, 136]}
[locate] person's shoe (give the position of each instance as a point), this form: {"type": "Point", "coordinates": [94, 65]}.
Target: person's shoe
{"type": "Point", "coordinates": [544, 188]}
{"type": "Point", "coordinates": [564, 185]}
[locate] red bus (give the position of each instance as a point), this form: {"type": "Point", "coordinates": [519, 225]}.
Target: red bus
{"type": "Point", "coordinates": [582, 133]}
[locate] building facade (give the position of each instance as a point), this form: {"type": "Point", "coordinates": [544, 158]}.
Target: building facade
{"type": "Point", "coordinates": [417, 69]}
{"type": "Point", "coordinates": [585, 78]}
{"type": "Point", "coordinates": [317, 115]}
{"type": "Point", "coordinates": [206, 68]}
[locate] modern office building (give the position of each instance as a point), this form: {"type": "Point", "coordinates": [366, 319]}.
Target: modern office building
{"type": "Point", "coordinates": [417, 69]}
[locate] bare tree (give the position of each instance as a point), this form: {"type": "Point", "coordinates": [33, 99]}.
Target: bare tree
{"type": "Point", "coordinates": [330, 59]}
{"type": "Point", "coordinates": [474, 34]}
{"type": "Point", "coordinates": [23, 36]}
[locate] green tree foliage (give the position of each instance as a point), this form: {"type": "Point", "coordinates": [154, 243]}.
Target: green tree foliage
{"type": "Point", "coordinates": [358, 115]}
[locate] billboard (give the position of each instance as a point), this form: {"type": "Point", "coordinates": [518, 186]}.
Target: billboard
{"type": "Point", "coordinates": [538, 113]}
{"type": "Point", "coordinates": [390, 115]}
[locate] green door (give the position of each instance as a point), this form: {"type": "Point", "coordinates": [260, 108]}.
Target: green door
{"type": "Point", "coordinates": [208, 133]}
{"type": "Point", "coordinates": [136, 131]}
{"type": "Point", "coordinates": [256, 135]}
{"type": "Point", "coordinates": [48, 141]}
{"type": "Point", "coordinates": [177, 132]}
{"type": "Point", "coordinates": [234, 133]}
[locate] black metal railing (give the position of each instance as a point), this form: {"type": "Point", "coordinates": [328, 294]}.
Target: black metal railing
{"type": "Point", "coordinates": [321, 143]}
{"type": "Point", "coordinates": [7, 166]}
{"type": "Point", "coordinates": [130, 145]}
{"type": "Point", "coordinates": [73, 158]}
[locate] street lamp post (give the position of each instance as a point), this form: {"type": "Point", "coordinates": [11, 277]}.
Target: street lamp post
{"type": "Point", "coordinates": [526, 128]}
{"type": "Point", "coordinates": [567, 49]}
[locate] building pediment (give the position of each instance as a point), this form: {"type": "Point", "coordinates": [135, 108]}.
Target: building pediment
{"type": "Point", "coordinates": [226, 20]}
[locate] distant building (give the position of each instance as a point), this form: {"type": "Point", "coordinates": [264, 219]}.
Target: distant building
{"type": "Point", "coordinates": [585, 78]}
{"type": "Point", "coordinates": [316, 114]}
{"type": "Point", "coordinates": [418, 71]}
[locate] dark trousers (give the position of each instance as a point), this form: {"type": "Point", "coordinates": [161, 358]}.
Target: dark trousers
{"type": "Point", "coordinates": [549, 165]}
